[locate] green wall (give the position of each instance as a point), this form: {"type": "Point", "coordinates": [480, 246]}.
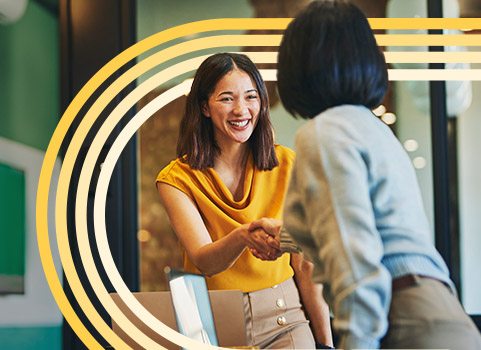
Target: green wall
{"type": "Point", "coordinates": [29, 113]}
{"type": "Point", "coordinates": [12, 231]}
{"type": "Point", "coordinates": [31, 338]}
{"type": "Point", "coordinates": [29, 78]}
{"type": "Point", "coordinates": [12, 217]}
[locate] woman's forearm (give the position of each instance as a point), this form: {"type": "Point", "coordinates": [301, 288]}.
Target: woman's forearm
{"type": "Point", "coordinates": [311, 294]}
{"type": "Point", "coordinates": [318, 312]}
{"type": "Point", "coordinates": [220, 255]}
{"type": "Point", "coordinates": [210, 257]}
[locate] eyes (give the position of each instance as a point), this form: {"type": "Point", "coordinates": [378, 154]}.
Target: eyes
{"type": "Point", "coordinates": [231, 98]}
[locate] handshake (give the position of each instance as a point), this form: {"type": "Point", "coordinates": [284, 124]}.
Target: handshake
{"type": "Point", "coordinates": [271, 240]}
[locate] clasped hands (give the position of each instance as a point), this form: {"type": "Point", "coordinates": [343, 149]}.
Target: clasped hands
{"type": "Point", "coordinates": [264, 239]}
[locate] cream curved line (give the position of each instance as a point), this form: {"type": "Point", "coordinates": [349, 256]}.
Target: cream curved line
{"type": "Point", "coordinates": [434, 74]}
{"type": "Point", "coordinates": [432, 57]}
{"type": "Point", "coordinates": [428, 39]}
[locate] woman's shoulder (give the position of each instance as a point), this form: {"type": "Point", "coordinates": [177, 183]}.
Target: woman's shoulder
{"type": "Point", "coordinates": [346, 123]}
{"type": "Point", "coordinates": [175, 169]}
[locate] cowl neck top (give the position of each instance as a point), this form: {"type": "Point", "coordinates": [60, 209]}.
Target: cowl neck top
{"type": "Point", "coordinates": [263, 196]}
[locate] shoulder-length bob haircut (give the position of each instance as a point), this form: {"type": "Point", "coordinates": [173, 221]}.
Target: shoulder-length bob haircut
{"type": "Point", "coordinates": [196, 136]}
{"type": "Point", "coordinates": [329, 57]}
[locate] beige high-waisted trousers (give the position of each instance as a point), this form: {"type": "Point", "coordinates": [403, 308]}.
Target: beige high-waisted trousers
{"type": "Point", "coordinates": [275, 319]}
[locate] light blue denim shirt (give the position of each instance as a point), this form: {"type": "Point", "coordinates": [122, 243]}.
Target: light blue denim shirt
{"type": "Point", "coordinates": [355, 208]}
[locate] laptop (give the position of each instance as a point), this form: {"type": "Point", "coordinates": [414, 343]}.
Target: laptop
{"type": "Point", "coordinates": [191, 302]}
{"type": "Point", "coordinates": [227, 308]}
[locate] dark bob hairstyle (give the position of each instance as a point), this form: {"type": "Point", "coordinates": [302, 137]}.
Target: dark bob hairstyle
{"type": "Point", "coordinates": [196, 136]}
{"type": "Point", "coordinates": [329, 57]}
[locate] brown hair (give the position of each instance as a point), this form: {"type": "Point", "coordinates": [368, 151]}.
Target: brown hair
{"type": "Point", "coordinates": [196, 137]}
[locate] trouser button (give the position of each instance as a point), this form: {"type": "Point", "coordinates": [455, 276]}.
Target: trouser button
{"type": "Point", "coordinates": [280, 303]}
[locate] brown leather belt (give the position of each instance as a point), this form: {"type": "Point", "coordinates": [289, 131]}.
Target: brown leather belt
{"type": "Point", "coordinates": [408, 281]}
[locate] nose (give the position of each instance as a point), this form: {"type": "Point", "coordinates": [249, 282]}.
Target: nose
{"type": "Point", "coordinates": [240, 107]}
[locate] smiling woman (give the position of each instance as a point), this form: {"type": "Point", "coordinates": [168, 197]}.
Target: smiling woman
{"type": "Point", "coordinates": [215, 85]}
{"type": "Point", "coordinates": [226, 115]}
{"type": "Point", "coordinates": [233, 107]}
{"type": "Point", "coordinates": [229, 173]}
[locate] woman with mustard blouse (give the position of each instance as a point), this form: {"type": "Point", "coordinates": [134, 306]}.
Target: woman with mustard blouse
{"type": "Point", "coordinates": [228, 174]}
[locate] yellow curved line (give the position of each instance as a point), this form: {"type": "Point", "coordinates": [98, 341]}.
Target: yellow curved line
{"type": "Point", "coordinates": [49, 267]}
{"type": "Point", "coordinates": [425, 23]}
{"type": "Point", "coordinates": [67, 119]}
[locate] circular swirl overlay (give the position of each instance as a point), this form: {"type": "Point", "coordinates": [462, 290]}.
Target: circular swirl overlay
{"type": "Point", "coordinates": [125, 135]}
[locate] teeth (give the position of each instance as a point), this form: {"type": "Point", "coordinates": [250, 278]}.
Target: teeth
{"type": "Point", "coordinates": [240, 124]}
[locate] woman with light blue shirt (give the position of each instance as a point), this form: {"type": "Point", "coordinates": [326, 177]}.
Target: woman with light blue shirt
{"type": "Point", "coordinates": [354, 204]}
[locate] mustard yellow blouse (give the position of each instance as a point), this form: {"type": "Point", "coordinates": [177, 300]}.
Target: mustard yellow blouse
{"type": "Point", "coordinates": [264, 193]}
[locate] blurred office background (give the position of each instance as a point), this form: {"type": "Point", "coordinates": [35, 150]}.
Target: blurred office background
{"type": "Point", "coordinates": [49, 49]}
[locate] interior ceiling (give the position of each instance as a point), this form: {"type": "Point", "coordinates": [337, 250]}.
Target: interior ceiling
{"type": "Point", "coordinates": [373, 8]}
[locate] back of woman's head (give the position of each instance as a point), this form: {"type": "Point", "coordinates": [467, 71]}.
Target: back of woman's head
{"type": "Point", "coordinates": [196, 136]}
{"type": "Point", "coordinates": [329, 57]}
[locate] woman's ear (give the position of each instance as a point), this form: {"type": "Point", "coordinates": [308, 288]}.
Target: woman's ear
{"type": "Point", "coordinates": [205, 109]}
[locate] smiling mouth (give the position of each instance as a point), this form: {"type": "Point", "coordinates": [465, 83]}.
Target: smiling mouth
{"type": "Point", "coordinates": [239, 124]}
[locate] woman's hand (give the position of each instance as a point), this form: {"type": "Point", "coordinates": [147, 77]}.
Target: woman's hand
{"type": "Point", "coordinates": [269, 229]}
{"type": "Point", "coordinates": [268, 250]}
{"type": "Point", "coordinates": [258, 242]}
{"type": "Point", "coordinates": [269, 225]}
{"type": "Point", "coordinates": [211, 257]}
{"type": "Point", "coordinates": [208, 257]}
